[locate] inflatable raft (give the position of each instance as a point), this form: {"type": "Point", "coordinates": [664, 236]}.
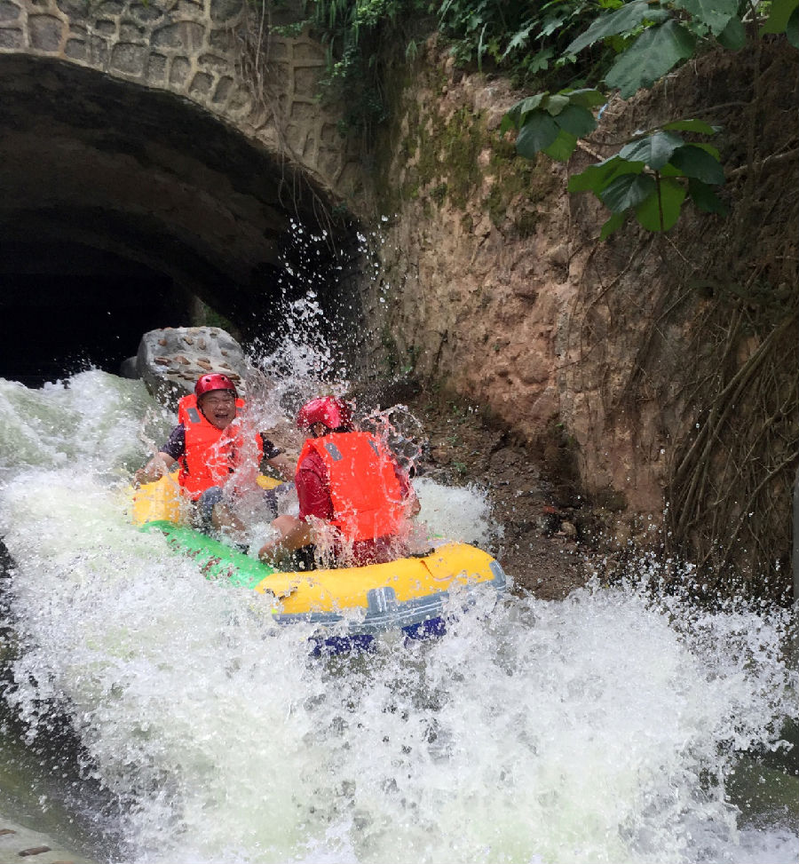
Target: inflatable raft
{"type": "Point", "coordinates": [410, 594]}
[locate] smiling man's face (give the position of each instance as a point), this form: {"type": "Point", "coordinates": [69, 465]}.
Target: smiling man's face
{"type": "Point", "coordinates": [219, 407]}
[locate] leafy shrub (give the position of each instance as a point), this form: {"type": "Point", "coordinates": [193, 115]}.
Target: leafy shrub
{"type": "Point", "coordinates": [526, 40]}
{"type": "Point", "coordinates": [361, 36]}
{"type": "Point", "coordinates": [654, 173]}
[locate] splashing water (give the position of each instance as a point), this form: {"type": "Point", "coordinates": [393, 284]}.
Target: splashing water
{"type": "Point", "coordinates": [601, 728]}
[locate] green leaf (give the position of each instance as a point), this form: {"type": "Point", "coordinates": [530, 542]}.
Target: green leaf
{"type": "Point", "coordinates": [514, 116]}
{"type": "Point", "coordinates": [595, 178]}
{"type": "Point", "coordinates": [699, 164]}
{"type": "Point", "coordinates": [538, 132]}
{"type": "Point", "coordinates": [733, 36]}
{"type": "Point", "coordinates": [540, 61]}
{"type": "Point", "coordinates": [562, 147]}
{"type": "Point", "coordinates": [520, 39]}
{"type": "Point", "coordinates": [530, 103]}
{"type": "Point", "coordinates": [586, 97]}
{"type": "Point", "coordinates": [715, 13]}
{"type": "Point", "coordinates": [550, 27]}
{"type": "Point", "coordinates": [660, 212]}
{"type": "Point", "coordinates": [709, 148]}
{"type": "Point", "coordinates": [780, 15]}
{"type": "Point", "coordinates": [627, 191]}
{"type": "Point", "coordinates": [705, 198]}
{"type": "Point", "coordinates": [650, 57]}
{"type": "Point", "coordinates": [792, 30]}
{"type": "Point", "coordinates": [691, 126]}
{"type": "Point", "coordinates": [654, 150]}
{"type": "Point", "coordinates": [556, 103]}
{"type": "Point", "coordinates": [576, 120]}
{"type": "Point", "coordinates": [623, 20]}
{"type": "Point", "coordinates": [615, 221]}
{"type": "Point", "coordinates": [508, 122]}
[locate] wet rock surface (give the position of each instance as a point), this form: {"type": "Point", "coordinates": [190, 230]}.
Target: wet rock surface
{"type": "Point", "coordinates": [21, 844]}
{"type": "Point", "coordinates": [171, 360]}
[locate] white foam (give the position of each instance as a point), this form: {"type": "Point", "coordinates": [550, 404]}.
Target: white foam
{"type": "Point", "coordinates": [458, 513]}
{"type": "Point", "coordinates": [599, 728]}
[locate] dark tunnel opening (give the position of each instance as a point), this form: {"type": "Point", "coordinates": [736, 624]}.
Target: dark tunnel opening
{"type": "Point", "coordinates": [125, 209]}
{"type": "Point", "coordinates": [67, 307]}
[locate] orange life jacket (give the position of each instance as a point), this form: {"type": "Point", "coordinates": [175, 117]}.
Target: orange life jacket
{"type": "Point", "coordinates": [364, 489]}
{"type": "Point", "coordinates": [211, 455]}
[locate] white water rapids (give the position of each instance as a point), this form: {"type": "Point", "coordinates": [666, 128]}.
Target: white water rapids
{"type": "Point", "coordinates": [603, 728]}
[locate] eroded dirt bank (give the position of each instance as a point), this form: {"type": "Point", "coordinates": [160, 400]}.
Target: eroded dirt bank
{"type": "Point", "coordinates": [548, 541]}
{"type": "Point", "coordinates": [665, 363]}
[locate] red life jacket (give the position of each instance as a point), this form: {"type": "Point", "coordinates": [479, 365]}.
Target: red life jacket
{"type": "Point", "coordinates": [211, 455]}
{"type": "Point", "coordinates": [364, 489]}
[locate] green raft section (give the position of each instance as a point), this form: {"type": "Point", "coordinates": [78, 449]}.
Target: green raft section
{"type": "Point", "coordinates": [217, 560]}
{"type": "Point", "coordinates": [407, 594]}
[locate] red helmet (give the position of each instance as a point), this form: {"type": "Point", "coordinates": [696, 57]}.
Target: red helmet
{"type": "Point", "coordinates": [328, 410]}
{"type": "Point", "coordinates": [214, 381]}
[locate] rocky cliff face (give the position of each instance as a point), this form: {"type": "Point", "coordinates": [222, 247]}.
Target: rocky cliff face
{"type": "Point", "coordinates": [611, 355]}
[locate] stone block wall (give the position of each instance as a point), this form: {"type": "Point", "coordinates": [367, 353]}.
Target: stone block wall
{"type": "Point", "coordinates": [195, 50]}
{"type": "Point", "coordinates": [493, 286]}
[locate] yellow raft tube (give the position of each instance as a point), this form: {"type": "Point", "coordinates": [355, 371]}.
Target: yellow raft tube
{"type": "Point", "coordinates": [409, 594]}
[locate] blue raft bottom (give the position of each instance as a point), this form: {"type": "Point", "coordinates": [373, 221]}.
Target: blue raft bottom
{"type": "Point", "coordinates": [329, 646]}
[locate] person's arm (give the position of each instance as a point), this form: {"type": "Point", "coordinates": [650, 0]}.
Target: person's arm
{"type": "Point", "coordinates": [314, 497]}
{"type": "Point", "coordinates": [283, 465]}
{"type": "Point", "coordinates": [277, 459]}
{"type": "Point", "coordinates": [313, 492]}
{"type": "Point", "coordinates": [293, 534]}
{"type": "Point", "coordinates": [164, 459]}
{"type": "Point", "coordinates": [159, 465]}
{"type": "Point", "coordinates": [409, 496]}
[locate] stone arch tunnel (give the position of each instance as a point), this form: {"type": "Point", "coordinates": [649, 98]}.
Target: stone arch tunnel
{"type": "Point", "coordinates": [123, 204]}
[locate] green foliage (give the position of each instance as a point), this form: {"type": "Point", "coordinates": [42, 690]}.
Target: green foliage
{"type": "Point", "coordinates": [359, 35]}
{"type": "Point", "coordinates": [552, 123]}
{"type": "Point", "coordinates": [632, 44]}
{"type": "Point", "coordinates": [782, 16]}
{"type": "Point", "coordinates": [561, 44]}
{"type": "Point", "coordinates": [652, 176]}
{"type": "Point", "coordinates": [525, 40]}
{"type": "Point", "coordinates": [714, 14]}
{"type": "Point", "coordinates": [654, 53]}
{"type": "Point", "coordinates": [656, 35]}
{"type": "Point", "coordinates": [290, 31]}
{"type": "Point", "coordinates": [623, 21]}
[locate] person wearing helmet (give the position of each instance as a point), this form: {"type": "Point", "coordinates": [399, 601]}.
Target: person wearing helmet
{"type": "Point", "coordinates": [209, 446]}
{"type": "Point", "coordinates": [355, 500]}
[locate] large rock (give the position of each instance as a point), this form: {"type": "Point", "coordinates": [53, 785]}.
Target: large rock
{"type": "Point", "coordinates": [19, 844]}
{"type": "Point", "coordinates": [128, 369]}
{"type": "Point", "coordinates": [171, 360]}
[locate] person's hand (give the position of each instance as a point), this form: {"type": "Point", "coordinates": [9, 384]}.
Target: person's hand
{"type": "Point", "coordinates": [148, 474]}
{"type": "Point", "coordinates": [412, 506]}
{"type": "Point", "coordinates": [268, 553]}
{"type": "Point", "coordinates": [283, 465]}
